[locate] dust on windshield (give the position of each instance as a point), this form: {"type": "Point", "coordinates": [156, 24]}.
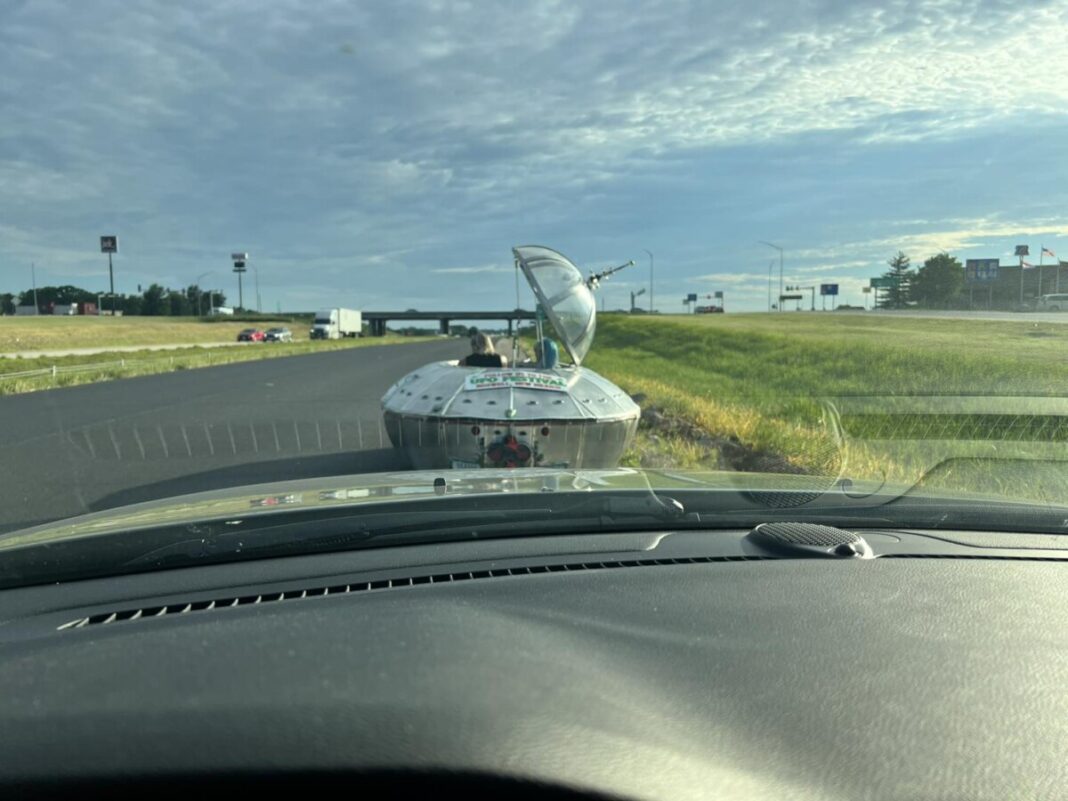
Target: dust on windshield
{"type": "Point", "coordinates": [252, 248]}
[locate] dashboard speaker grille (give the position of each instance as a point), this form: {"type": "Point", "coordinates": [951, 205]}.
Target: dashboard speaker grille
{"type": "Point", "coordinates": [806, 534]}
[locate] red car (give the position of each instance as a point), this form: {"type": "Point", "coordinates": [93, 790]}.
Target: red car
{"type": "Point", "coordinates": [251, 335]}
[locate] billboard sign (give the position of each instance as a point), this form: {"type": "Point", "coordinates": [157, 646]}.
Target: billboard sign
{"type": "Point", "coordinates": [1022, 250]}
{"type": "Point", "coordinates": [691, 298]}
{"type": "Point", "coordinates": [828, 289]}
{"type": "Point", "coordinates": [719, 294]}
{"type": "Point", "coordinates": [979, 270]}
{"type": "Point", "coordinates": [109, 244]}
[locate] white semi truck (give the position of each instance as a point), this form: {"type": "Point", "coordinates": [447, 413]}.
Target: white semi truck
{"type": "Point", "coordinates": [336, 323]}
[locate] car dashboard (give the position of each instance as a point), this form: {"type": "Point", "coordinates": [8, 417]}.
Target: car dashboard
{"type": "Point", "coordinates": [644, 665]}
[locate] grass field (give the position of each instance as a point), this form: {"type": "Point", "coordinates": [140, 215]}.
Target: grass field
{"type": "Point", "coordinates": [54, 333]}
{"type": "Point", "coordinates": [754, 377]}
{"type": "Point", "coordinates": [127, 365]}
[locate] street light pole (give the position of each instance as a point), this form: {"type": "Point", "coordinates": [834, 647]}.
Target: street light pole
{"type": "Point", "coordinates": [652, 307]}
{"type": "Point", "coordinates": [200, 292]}
{"type": "Point", "coordinates": [770, 245]}
{"type": "Point", "coordinates": [256, 275]}
{"type": "Point", "coordinates": [771, 266]}
{"type": "Point", "coordinates": [33, 277]}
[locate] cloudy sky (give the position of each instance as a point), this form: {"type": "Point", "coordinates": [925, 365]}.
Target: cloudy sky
{"type": "Point", "coordinates": [389, 154]}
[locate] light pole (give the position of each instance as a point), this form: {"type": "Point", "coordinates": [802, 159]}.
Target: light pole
{"type": "Point", "coordinates": [770, 245]}
{"type": "Point", "coordinates": [771, 266]}
{"type": "Point", "coordinates": [200, 292]}
{"type": "Point", "coordinates": [240, 260]}
{"type": "Point", "coordinates": [33, 277]}
{"type": "Point", "coordinates": [256, 275]}
{"type": "Point", "coordinates": [652, 308]}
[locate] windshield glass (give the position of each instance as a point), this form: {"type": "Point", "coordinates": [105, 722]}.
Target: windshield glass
{"type": "Point", "coordinates": [246, 247]}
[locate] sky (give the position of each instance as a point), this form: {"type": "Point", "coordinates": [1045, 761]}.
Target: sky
{"type": "Point", "coordinates": [388, 155]}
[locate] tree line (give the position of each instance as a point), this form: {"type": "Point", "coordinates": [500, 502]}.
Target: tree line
{"type": "Point", "coordinates": [156, 301]}
{"type": "Point", "coordinates": [937, 284]}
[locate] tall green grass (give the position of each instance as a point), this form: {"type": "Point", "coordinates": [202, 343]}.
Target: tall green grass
{"type": "Point", "coordinates": [756, 378]}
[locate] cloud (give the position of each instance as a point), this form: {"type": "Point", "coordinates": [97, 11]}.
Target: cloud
{"type": "Point", "coordinates": [486, 268]}
{"type": "Point", "coordinates": [958, 236]}
{"type": "Point", "coordinates": [368, 144]}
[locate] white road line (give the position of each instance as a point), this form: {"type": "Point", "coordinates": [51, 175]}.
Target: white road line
{"type": "Point", "coordinates": [137, 439]}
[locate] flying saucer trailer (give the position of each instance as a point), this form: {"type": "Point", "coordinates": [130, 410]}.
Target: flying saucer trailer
{"type": "Point", "coordinates": [536, 414]}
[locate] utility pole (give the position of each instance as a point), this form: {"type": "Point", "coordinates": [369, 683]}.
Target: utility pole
{"type": "Point", "coordinates": [33, 278]}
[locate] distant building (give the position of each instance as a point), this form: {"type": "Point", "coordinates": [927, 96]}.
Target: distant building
{"type": "Point", "coordinates": [1004, 292]}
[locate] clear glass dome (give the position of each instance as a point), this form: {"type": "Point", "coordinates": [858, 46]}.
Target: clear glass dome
{"type": "Point", "coordinates": [562, 292]}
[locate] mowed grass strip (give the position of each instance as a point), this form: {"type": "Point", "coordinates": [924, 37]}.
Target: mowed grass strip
{"type": "Point", "coordinates": [754, 376]}
{"type": "Point", "coordinates": [47, 332]}
{"type": "Point", "coordinates": [130, 364]}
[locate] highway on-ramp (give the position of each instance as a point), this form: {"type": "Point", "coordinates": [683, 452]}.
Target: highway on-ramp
{"type": "Point", "coordinates": [69, 451]}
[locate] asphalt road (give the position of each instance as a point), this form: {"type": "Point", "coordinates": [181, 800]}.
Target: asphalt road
{"type": "Point", "coordinates": [80, 449]}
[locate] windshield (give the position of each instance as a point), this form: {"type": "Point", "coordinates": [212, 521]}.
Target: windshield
{"type": "Point", "coordinates": [247, 247]}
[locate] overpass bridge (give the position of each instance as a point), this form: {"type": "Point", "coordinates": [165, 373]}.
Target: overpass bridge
{"type": "Point", "coordinates": [377, 320]}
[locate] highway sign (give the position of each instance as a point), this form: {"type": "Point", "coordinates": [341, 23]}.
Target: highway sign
{"type": "Point", "coordinates": [719, 294]}
{"type": "Point", "coordinates": [979, 270]}
{"type": "Point", "coordinates": [791, 297]}
{"type": "Point", "coordinates": [866, 290]}
{"type": "Point", "coordinates": [828, 289]}
{"type": "Point", "coordinates": [109, 244]}
{"type": "Point", "coordinates": [691, 298]}
{"type": "Point", "coordinates": [885, 282]}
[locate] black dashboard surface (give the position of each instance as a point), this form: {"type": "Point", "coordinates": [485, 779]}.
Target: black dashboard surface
{"type": "Point", "coordinates": [875, 679]}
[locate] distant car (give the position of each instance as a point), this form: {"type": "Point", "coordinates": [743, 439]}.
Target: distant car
{"type": "Point", "coordinates": [278, 335]}
{"type": "Point", "coordinates": [1052, 303]}
{"type": "Point", "coordinates": [251, 335]}
{"type": "Point", "coordinates": [709, 310]}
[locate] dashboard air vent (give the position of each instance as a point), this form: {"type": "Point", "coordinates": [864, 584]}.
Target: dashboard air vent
{"type": "Point", "coordinates": [190, 607]}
